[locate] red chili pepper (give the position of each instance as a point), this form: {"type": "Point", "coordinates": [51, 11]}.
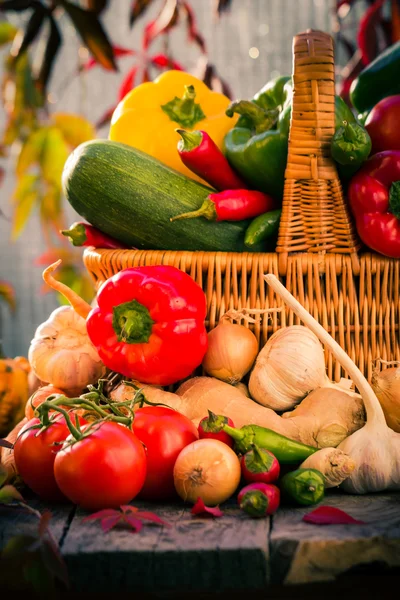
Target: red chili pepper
{"type": "Point", "coordinates": [149, 324]}
{"type": "Point", "coordinates": [232, 205]}
{"type": "Point", "coordinates": [83, 234]}
{"type": "Point", "coordinates": [259, 499]}
{"type": "Point", "coordinates": [201, 155]}
{"type": "Point", "coordinates": [374, 195]}
{"type": "Point", "coordinates": [211, 427]}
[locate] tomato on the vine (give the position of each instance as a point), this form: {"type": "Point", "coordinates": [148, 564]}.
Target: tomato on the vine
{"type": "Point", "coordinates": [105, 469]}
{"type": "Point", "coordinates": [164, 432]}
{"type": "Point", "coordinates": [35, 453]}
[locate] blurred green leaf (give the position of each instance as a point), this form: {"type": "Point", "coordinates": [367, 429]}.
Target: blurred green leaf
{"type": "Point", "coordinates": [53, 46]}
{"type": "Point", "coordinates": [25, 197]}
{"type": "Point", "coordinates": [31, 151]}
{"type": "Point", "coordinates": [8, 494]}
{"type": "Point", "coordinates": [32, 30]}
{"type": "Point", "coordinates": [7, 32]}
{"type": "Point", "coordinates": [7, 293]}
{"type": "Point", "coordinates": [75, 128]}
{"type": "Point", "coordinates": [54, 154]}
{"type": "Point", "coordinates": [92, 33]}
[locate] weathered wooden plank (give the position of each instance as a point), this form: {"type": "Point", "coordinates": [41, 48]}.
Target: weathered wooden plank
{"type": "Point", "coordinates": [16, 522]}
{"type": "Point", "coordinates": [303, 553]}
{"type": "Point", "coordinates": [195, 554]}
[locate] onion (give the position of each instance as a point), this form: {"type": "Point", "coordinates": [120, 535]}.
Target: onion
{"type": "Point", "coordinates": [232, 350]}
{"type": "Point", "coordinates": [206, 469]}
{"type": "Point", "coordinates": [386, 385]}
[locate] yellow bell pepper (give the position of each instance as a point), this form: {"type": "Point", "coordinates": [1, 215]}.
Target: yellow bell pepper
{"type": "Point", "coordinates": [149, 115]}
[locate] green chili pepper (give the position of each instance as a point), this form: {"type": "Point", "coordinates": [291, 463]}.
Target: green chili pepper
{"type": "Point", "coordinates": [287, 451]}
{"type": "Point", "coordinates": [261, 228]}
{"type": "Point", "coordinates": [303, 486]}
{"type": "Point", "coordinates": [351, 144]}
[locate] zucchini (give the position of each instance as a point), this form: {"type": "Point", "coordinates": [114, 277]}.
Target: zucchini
{"type": "Point", "coordinates": [131, 196]}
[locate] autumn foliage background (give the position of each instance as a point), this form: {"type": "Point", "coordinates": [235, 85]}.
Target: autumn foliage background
{"type": "Point", "coordinates": [56, 50]}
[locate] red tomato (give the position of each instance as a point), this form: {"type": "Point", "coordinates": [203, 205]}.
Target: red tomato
{"type": "Point", "coordinates": [164, 432]}
{"type": "Point", "coordinates": [39, 397]}
{"type": "Point", "coordinates": [222, 436]}
{"type": "Point", "coordinates": [35, 454]}
{"type": "Point", "coordinates": [104, 470]}
{"type": "Point", "coordinates": [382, 124]}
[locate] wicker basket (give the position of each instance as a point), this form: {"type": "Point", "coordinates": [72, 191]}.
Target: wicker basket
{"type": "Point", "coordinates": [354, 296]}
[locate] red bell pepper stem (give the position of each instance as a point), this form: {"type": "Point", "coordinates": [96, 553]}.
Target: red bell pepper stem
{"type": "Point", "coordinates": [83, 234]}
{"type": "Point", "coordinates": [201, 155]}
{"type": "Point", "coordinates": [374, 196]}
{"type": "Point", "coordinates": [232, 205]}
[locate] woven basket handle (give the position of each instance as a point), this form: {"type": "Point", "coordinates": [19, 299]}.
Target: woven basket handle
{"type": "Point", "coordinates": [313, 108]}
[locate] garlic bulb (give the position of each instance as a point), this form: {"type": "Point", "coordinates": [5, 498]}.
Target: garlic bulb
{"type": "Point", "coordinates": [374, 448]}
{"type": "Point", "coordinates": [289, 366]}
{"type": "Point", "coordinates": [386, 385]}
{"type": "Point", "coordinates": [62, 354]}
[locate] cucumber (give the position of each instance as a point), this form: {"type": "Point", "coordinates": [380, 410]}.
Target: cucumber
{"type": "Point", "coordinates": [131, 196]}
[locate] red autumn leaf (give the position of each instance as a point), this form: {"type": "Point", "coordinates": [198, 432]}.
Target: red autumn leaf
{"type": "Point", "coordinates": [193, 32]}
{"type": "Point", "coordinates": [329, 515]}
{"type": "Point", "coordinates": [118, 53]}
{"type": "Point", "coordinates": [147, 516]}
{"type": "Point", "coordinates": [367, 37]}
{"type": "Point", "coordinates": [201, 509]}
{"type": "Point", "coordinates": [129, 515]}
{"type": "Point", "coordinates": [134, 523]}
{"type": "Point", "coordinates": [167, 19]}
{"type": "Point", "coordinates": [108, 523]}
{"type": "Point", "coordinates": [161, 61]}
{"type": "Point", "coordinates": [101, 514]}
{"type": "Point", "coordinates": [127, 84]}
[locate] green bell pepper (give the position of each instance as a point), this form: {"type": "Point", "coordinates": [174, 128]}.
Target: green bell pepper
{"type": "Point", "coordinates": [351, 144]}
{"type": "Point", "coordinates": [256, 150]}
{"type": "Point", "coordinates": [257, 145]}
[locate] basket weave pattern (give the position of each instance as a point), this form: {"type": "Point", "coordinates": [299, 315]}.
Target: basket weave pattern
{"type": "Point", "coordinates": [355, 297]}
{"type": "Point", "coordinates": [361, 312]}
{"type": "Point", "coordinates": [315, 217]}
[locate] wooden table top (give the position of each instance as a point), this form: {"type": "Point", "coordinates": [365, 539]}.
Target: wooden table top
{"type": "Point", "coordinates": [234, 552]}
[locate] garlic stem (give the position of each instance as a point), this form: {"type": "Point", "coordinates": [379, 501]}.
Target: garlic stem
{"type": "Point", "coordinates": [79, 305]}
{"type": "Point", "coordinates": [372, 406]}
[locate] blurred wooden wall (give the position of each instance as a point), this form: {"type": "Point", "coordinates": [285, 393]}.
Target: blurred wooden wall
{"type": "Point", "coordinates": [268, 25]}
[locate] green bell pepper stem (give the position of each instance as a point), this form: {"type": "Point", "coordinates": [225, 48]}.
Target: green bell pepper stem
{"type": "Point", "coordinates": [351, 144]}
{"type": "Point", "coordinates": [287, 451]}
{"type": "Point", "coordinates": [261, 119]}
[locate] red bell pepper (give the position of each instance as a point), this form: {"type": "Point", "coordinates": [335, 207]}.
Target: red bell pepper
{"type": "Point", "coordinates": [374, 196]}
{"type": "Point", "coordinates": [149, 324]}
